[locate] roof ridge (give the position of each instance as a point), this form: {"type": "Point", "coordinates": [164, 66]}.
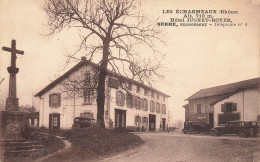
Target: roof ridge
{"type": "Point", "coordinates": [80, 64]}
{"type": "Point", "coordinates": [231, 83]}
{"type": "Point", "coordinates": [225, 88]}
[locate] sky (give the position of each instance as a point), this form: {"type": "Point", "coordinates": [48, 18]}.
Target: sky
{"type": "Point", "coordinates": [197, 57]}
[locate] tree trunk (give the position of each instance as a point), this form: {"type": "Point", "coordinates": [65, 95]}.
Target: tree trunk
{"type": "Point", "coordinates": [101, 85]}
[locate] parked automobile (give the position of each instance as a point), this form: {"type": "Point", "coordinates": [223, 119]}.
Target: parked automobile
{"type": "Point", "coordinates": [241, 128]}
{"type": "Point", "coordinates": [83, 122]}
{"type": "Point", "coordinates": [195, 126]}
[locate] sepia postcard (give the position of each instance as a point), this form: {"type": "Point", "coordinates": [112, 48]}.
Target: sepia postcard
{"type": "Point", "coordinates": [130, 80]}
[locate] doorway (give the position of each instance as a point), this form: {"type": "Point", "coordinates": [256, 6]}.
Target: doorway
{"type": "Point", "coordinates": [152, 122]}
{"type": "Point", "coordinates": [163, 123]}
{"type": "Point", "coordinates": [120, 119]}
{"type": "Point", "coordinates": [211, 119]}
{"type": "Point", "coordinates": [54, 121]}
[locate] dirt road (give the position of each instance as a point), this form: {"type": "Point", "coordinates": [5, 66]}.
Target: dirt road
{"type": "Point", "coordinates": [178, 147]}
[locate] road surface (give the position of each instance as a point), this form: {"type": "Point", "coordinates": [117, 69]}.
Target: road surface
{"type": "Point", "coordinates": [179, 147]}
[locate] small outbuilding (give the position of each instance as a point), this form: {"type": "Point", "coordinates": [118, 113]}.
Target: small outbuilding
{"type": "Point", "coordinates": [216, 105]}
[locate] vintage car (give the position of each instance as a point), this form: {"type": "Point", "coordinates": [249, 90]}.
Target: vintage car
{"type": "Point", "coordinates": [241, 128]}
{"type": "Point", "coordinates": [195, 127]}
{"type": "Point", "coordinates": [83, 122]}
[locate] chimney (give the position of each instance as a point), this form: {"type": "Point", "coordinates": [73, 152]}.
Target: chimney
{"type": "Point", "coordinates": [83, 58]}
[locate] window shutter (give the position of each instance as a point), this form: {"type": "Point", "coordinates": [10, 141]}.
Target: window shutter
{"type": "Point", "coordinates": [50, 100]}
{"type": "Point", "coordinates": [123, 99]}
{"type": "Point", "coordinates": [117, 97]}
{"type": "Point", "coordinates": [92, 96]}
{"type": "Point", "coordinates": [136, 121]}
{"type": "Point", "coordinates": [59, 100]}
{"type": "Point", "coordinates": [222, 108]}
{"type": "Point", "coordinates": [234, 107]}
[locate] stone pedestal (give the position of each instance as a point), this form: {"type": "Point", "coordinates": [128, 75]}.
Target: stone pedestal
{"type": "Point", "coordinates": [12, 124]}
{"type": "Point", "coordinates": [12, 104]}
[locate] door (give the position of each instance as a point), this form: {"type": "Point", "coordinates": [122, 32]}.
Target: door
{"type": "Point", "coordinates": [211, 119]}
{"type": "Point", "coordinates": [54, 121]}
{"type": "Point", "coordinates": [163, 123]}
{"type": "Point", "coordinates": [152, 122]}
{"type": "Point", "coordinates": [120, 119]}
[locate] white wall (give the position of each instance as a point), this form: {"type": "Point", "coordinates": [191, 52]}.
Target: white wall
{"type": "Point", "coordinates": [247, 105]}
{"type": "Point", "coordinates": [67, 107]}
{"type": "Point", "coordinates": [132, 112]}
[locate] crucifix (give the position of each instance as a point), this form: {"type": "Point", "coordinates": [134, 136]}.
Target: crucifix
{"type": "Point", "coordinates": [12, 100]}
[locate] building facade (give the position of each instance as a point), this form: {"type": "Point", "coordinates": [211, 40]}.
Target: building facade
{"type": "Point", "coordinates": [243, 105]}
{"type": "Point", "coordinates": [203, 106]}
{"type": "Point", "coordinates": [128, 103]}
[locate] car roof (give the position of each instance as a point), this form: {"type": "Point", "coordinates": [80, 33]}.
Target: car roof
{"type": "Point", "coordinates": [83, 118]}
{"type": "Point", "coordinates": [239, 121]}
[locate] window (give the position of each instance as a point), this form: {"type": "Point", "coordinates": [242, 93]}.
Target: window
{"type": "Point", "coordinates": [152, 94]}
{"type": "Point", "coordinates": [163, 108]}
{"type": "Point", "coordinates": [88, 96]}
{"type": "Point", "coordinates": [223, 118]}
{"type": "Point", "coordinates": [145, 92]}
{"type": "Point", "coordinates": [145, 105]}
{"type": "Point", "coordinates": [144, 122]}
{"type": "Point", "coordinates": [32, 123]}
{"type": "Point", "coordinates": [134, 98]}
{"type": "Point", "coordinates": [152, 106]}
{"type": "Point", "coordinates": [55, 121]}
{"type": "Point", "coordinates": [120, 98]}
{"type": "Point", "coordinates": [142, 104]}
{"type": "Point", "coordinates": [137, 88]}
{"type": "Point", "coordinates": [54, 100]}
{"type": "Point", "coordinates": [163, 98]}
{"type": "Point", "coordinates": [158, 108]}
{"type": "Point", "coordinates": [198, 108]}
{"type": "Point", "coordinates": [138, 103]}
{"type": "Point", "coordinates": [87, 79]}
{"type": "Point", "coordinates": [87, 115]}
{"type": "Point", "coordinates": [158, 96]}
{"type": "Point", "coordinates": [138, 121]}
{"type": "Point", "coordinates": [228, 107]}
{"type": "Point", "coordinates": [129, 86]}
{"type": "Point", "coordinates": [129, 100]}
{"type": "Point", "coordinates": [114, 83]}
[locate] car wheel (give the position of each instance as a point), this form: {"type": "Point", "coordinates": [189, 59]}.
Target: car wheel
{"type": "Point", "coordinates": [185, 132]}
{"type": "Point", "coordinates": [242, 134]}
{"type": "Point", "coordinates": [191, 131]}
{"type": "Point", "coordinates": [255, 132]}
{"type": "Point", "coordinates": [76, 126]}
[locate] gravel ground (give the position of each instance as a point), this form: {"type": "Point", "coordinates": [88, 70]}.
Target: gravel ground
{"type": "Point", "coordinates": [178, 147]}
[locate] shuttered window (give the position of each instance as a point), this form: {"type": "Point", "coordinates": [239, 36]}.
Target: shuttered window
{"type": "Point", "coordinates": [145, 122]}
{"type": "Point", "coordinates": [129, 100]}
{"type": "Point", "coordinates": [228, 107]}
{"type": "Point", "coordinates": [137, 121]}
{"type": "Point", "coordinates": [88, 96]}
{"type": "Point", "coordinates": [163, 109]}
{"type": "Point", "coordinates": [54, 100]}
{"type": "Point", "coordinates": [145, 105]}
{"type": "Point", "coordinates": [152, 106]}
{"type": "Point", "coordinates": [138, 103]}
{"type": "Point", "coordinates": [158, 108]}
{"type": "Point", "coordinates": [198, 108]}
{"type": "Point", "coordinates": [120, 98]}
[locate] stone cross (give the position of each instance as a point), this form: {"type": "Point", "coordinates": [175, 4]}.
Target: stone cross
{"type": "Point", "coordinates": [12, 100]}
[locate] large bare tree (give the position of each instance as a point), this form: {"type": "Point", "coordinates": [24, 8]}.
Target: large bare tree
{"type": "Point", "coordinates": [112, 30]}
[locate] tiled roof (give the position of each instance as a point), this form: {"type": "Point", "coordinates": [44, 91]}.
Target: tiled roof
{"type": "Point", "coordinates": [226, 89]}
{"type": "Point", "coordinates": [81, 64]}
